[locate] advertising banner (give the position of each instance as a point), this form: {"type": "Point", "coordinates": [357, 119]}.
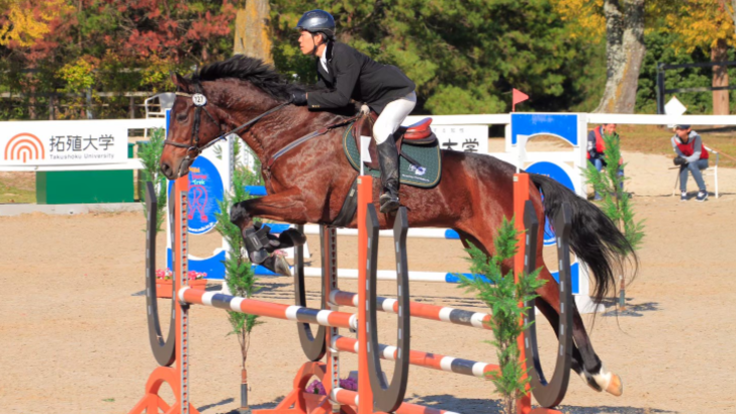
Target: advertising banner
{"type": "Point", "coordinates": [47, 143]}
{"type": "Point", "coordinates": [466, 138]}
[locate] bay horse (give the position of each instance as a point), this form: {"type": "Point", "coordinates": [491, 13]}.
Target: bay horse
{"type": "Point", "coordinates": [309, 183]}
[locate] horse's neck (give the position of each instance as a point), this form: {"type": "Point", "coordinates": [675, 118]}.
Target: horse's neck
{"type": "Point", "coordinates": [269, 136]}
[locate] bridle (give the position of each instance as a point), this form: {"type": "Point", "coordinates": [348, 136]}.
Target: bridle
{"type": "Point", "coordinates": [200, 101]}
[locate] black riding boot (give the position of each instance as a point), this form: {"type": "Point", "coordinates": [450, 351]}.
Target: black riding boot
{"type": "Point", "coordinates": [388, 158]}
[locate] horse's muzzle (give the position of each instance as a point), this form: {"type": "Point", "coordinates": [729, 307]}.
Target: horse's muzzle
{"type": "Point", "coordinates": [167, 171]}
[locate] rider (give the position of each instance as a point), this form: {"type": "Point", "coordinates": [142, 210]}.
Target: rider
{"type": "Point", "coordinates": [345, 73]}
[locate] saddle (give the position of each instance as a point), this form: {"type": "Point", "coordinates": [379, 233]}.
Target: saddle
{"type": "Point", "coordinates": [417, 134]}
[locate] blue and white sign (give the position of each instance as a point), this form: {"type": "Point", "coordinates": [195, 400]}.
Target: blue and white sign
{"type": "Point", "coordinates": [205, 193]}
{"type": "Point", "coordinates": [562, 166]}
{"type": "Point", "coordinates": [563, 126]}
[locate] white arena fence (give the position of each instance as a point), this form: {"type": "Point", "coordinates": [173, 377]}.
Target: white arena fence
{"type": "Point", "coordinates": [468, 132]}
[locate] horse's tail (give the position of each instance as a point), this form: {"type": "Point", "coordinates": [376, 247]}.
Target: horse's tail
{"type": "Point", "coordinates": [594, 238]}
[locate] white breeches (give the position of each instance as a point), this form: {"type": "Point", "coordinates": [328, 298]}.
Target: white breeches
{"type": "Point", "coordinates": [392, 116]}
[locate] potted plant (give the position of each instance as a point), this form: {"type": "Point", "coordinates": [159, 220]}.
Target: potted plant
{"type": "Point", "coordinates": [164, 282]}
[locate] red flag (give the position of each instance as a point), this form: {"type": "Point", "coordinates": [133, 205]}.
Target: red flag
{"type": "Point", "coordinates": [518, 96]}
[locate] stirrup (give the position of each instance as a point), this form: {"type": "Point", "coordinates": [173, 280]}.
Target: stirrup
{"type": "Point", "coordinates": [389, 202]}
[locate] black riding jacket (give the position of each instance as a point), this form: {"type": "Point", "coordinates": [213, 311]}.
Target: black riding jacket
{"type": "Point", "coordinates": [355, 75]}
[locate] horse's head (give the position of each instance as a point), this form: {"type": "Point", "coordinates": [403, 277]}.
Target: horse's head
{"type": "Point", "coordinates": [194, 124]}
{"type": "Point", "coordinates": [239, 92]}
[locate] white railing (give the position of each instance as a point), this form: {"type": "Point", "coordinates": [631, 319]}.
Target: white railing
{"type": "Point", "coordinates": [479, 119]}
{"type": "Point", "coordinates": [633, 119]}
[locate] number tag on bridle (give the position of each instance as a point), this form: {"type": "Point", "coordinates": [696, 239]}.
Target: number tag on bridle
{"type": "Point", "coordinates": [199, 99]}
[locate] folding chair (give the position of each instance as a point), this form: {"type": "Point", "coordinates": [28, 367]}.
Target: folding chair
{"type": "Point", "coordinates": [704, 172]}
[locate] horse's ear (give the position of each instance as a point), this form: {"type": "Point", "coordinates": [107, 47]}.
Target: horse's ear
{"type": "Point", "coordinates": [180, 82]}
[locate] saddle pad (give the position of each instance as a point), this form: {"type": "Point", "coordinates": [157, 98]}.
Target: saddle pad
{"type": "Point", "coordinates": [426, 176]}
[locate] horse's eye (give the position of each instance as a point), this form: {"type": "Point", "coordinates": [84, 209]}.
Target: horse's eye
{"type": "Point", "coordinates": [182, 116]}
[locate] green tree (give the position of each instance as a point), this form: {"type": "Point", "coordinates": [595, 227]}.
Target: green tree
{"type": "Point", "coordinates": [150, 155]}
{"type": "Point", "coordinates": [660, 49]}
{"type": "Point", "coordinates": [503, 296]}
{"type": "Point", "coordinates": [616, 203]}
{"type": "Point", "coordinates": [239, 275]}
{"type": "Point", "coordinates": [706, 24]}
{"type": "Point", "coordinates": [464, 56]}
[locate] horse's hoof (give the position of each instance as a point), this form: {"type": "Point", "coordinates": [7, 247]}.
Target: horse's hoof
{"type": "Point", "coordinates": [604, 380]}
{"type": "Point", "coordinates": [277, 264]}
{"type": "Point", "coordinates": [616, 386]}
{"type": "Point", "coordinates": [281, 266]}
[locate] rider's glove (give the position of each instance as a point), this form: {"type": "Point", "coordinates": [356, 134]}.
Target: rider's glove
{"type": "Point", "coordinates": [299, 98]}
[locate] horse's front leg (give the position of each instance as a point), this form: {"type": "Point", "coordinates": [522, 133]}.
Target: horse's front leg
{"type": "Point", "coordinates": [285, 206]}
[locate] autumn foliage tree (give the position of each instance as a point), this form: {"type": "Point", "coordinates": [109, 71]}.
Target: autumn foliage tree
{"type": "Point", "coordinates": [110, 45]}
{"type": "Point", "coordinates": [709, 25]}
{"type": "Point", "coordinates": [621, 24]}
{"type": "Point", "coordinates": [697, 24]}
{"type": "Point", "coordinates": [23, 23]}
{"type": "Point", "coordinates": [465, 57]}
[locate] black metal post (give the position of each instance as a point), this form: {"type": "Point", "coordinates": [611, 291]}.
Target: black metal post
{"type": "Point", "coordinates": [660, 88]}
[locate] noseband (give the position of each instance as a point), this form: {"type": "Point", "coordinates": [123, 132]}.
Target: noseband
{"type": "Point", "coordinates": [200, 101]}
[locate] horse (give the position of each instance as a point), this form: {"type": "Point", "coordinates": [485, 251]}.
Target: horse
{"type": "Point", "coordinates": [309, 183]}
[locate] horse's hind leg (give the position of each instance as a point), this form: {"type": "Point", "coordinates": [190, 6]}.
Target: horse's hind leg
{"type": "Point", "coordinates": [585, 362]}
{"type": "Point", "coordinates": [554, 319]}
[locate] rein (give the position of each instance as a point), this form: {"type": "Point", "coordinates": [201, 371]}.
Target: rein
{"type": "Point", "coordinates": [306, 138]}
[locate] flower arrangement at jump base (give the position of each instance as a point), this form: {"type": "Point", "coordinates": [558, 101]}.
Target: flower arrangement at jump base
{"type": "Point", "coordinates": [316, 387]}
{"type": "Point", "coordinates": [315, 392]}
{"type": "Point", "coordinates": [164, 279]}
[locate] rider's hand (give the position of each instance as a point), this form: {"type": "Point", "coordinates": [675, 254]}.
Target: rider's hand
{"type": "Point", "coordinates": [298, 98]}
{"type": "Point", "coordinates": [365, 109]}
{"type": "Point", "coordinates": [679, 161]}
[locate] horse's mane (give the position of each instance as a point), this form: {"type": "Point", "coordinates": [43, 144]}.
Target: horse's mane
{"type": "Point", "coordinates": [253, 70]}
{"type": "Point", "coordinates": [263, 76]}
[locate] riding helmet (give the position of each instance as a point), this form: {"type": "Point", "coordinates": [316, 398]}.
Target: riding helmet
{"type": "Point", "coordinates": [317, 21]}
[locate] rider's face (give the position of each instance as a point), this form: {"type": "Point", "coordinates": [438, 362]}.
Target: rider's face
{"type": "Point", "coordinates": [306, 42]}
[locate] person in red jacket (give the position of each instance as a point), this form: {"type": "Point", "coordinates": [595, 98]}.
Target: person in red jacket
{"type": "Point", "coordinates": [596, 147]}
{"type": "Point", "coordinates": [691, 156]}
